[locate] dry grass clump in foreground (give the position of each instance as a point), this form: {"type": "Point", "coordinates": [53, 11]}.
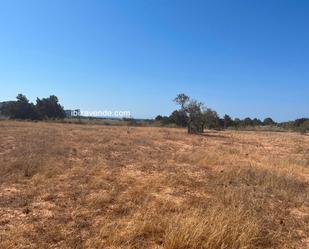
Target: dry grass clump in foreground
{"type": "Point", "coordinates": [71, 186]}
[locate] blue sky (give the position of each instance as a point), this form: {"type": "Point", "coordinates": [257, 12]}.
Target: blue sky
{"type": "Point", "coordinates": [244, 58]}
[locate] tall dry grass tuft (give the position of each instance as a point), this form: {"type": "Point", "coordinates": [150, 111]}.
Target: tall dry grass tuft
{"type": "Point", "coordinates": [214, 229]}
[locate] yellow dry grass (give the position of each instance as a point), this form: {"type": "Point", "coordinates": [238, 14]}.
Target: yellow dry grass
{"type": "Point", "coordinates": [85, 186]}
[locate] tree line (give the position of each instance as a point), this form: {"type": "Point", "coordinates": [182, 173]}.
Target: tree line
{"type": "Point", "coordinates": [195, 116]}
{"type": "Point", "coordinates": [191, 114]}
{"type": "Point", "coordinates": [22, 108]}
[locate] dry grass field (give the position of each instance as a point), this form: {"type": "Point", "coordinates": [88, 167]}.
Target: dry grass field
{"type": "Point", "coordinates": [86, 186]}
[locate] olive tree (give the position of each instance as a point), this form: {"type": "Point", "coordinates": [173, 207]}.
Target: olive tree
{"type": "Point", "coordinates": [192, 111]}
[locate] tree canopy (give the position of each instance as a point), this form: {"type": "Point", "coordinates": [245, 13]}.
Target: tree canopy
{"type": "Point", "coordinates": [46, 108]}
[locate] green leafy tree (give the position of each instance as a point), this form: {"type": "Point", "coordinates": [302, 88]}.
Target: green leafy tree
{"type": "Point", "coordinates": [20, 109]}
{"type": "Point", "coordinates": [166, 120]}
{"type": "Point", "coordinates": [227, 121]}
{"type": "Point", "coordinates": [158, 118]}
{"type": "Point", "coordinates": [179, 117]}
{"type": "Point", "coordinates": [182, 99]}
{"type": "Point", "coordinates": [247, 122]}
{"type": "Point", "coordinates": [191, 111]}
{"type": "Point", "coordinates": [257, 122]}
{"type": "Point", "coordinates": [50, 108]}
{"type": "Point", "coordinates": [304, 127]}
{"type": "Point", "coordinates": [298, 122]}
{"type": "Point", "coordinates": [211, 119]}
{"type": "Point", "coordinates": [237, 122]}
{"type": "Point", "coordinates": [195, 116]}
{"type": "Point", "coordinates": [268, 121]}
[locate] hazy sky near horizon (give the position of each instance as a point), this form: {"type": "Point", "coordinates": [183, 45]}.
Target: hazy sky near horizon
{"type": "Point", "coordinates": [243, 58]}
